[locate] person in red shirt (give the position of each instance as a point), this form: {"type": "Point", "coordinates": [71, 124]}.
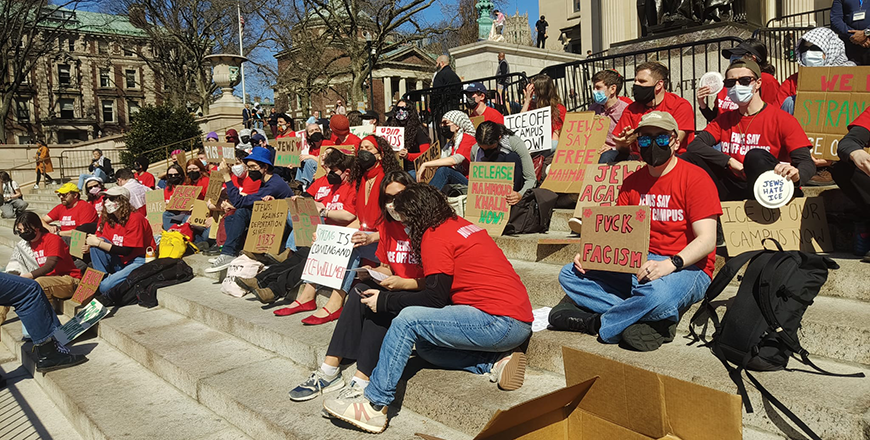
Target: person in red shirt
{"type": "Point", "coordinates": [198, 175]}
{"type": "Point", "coordinates": [72, 212]}
{"type": "Point", "coordinates": [756, 50]}
{"type": "Point", "coordinates": [541, 92]}
{"type": "Point", "coordinates": [57, 274]}
{"type": "Point", "coordinates": [94, 190]}
{"type": "Point", "coordinates": [284, 127]}
{"type": "Point", "coordinates": [142, 174]}
{"type": "Point", "coordinates": [458, 129]}
{"type": "Point", "coordinates": [334, 194]}
{"type": "Point", "coordinates": [123, 237]}
{"type": "Point", "coordinates": [416, 139]}
{"type": "Point", "coordinates": [472, 313]}
{"type": "Point", "coordinates": [341, 135]}
{"type": "Point", "coordinates": [314, 137]}
{"type": "Point", "coordinates": [650, 95]}
{"type": "Point", "coordinates": [754, 138]}
{"type": "Point", "coordinates": [475, 100]}
{"type": "Point", "coordinates": [852, 174]}
{"type": "Point", "coordinates": [643, 309]}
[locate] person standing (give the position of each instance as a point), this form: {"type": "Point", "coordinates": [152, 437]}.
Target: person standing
{"type": "Point", "coordinates": [273, 122]}
{"type": "Point", "coordinates": [541, 29]}
{"type": "Point", "coordinates": [339, 108]}
{"type": "Point", "coordinates": [499, 22]}
{"type": "Point", "coordinates": [246, 116]}
{"type": "Point", "coordinates": [445, 76]}
{"type": "Point", "coordinates": [851, 20]}
{"type": "Point", "coordinates": [43, 164]}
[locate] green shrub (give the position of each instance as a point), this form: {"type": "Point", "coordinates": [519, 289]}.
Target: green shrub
{"type": "Point", "coordinates": [156, 131]}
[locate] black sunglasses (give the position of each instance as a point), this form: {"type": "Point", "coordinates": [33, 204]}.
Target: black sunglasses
{"type": "Point", "coordinates": [743, 80]}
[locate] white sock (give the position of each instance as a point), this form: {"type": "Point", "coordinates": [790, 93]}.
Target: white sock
{"type": "Point", "coordinates": [329, 370]}
{"type": "Point", "coordinates": [362, 383]}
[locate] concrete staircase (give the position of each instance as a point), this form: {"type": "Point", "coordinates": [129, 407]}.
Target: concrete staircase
{"type": "Point", "coordinates": [207, 365]}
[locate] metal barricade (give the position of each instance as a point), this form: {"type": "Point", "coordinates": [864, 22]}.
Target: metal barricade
{"type": "Point", "coordinates": [76, 162]}
{"type": "Point", "coordinates": [811, 19]}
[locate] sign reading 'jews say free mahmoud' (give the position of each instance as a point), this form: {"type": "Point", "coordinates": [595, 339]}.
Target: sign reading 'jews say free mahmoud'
{"type": "Point", "coordinates": [582, 136]}
{"type": "Point", "coordinates": [489, 183]}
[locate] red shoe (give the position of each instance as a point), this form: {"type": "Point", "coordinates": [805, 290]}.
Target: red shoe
{"type": "Point", "coordinates": [307, 307]}
{"type": "Point", "coordinates": [314, 320]}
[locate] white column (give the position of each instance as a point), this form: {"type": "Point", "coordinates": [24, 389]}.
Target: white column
{"type": "Point", "coordinates": [402, 87]}
{"type": "Point", "coordinates": [388, 92]}
{"type": "Point", "coordinates": [790, 7]}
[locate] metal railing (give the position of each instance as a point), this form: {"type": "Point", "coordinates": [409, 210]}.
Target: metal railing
{"type": "Point", "coordinates": [76, 162]}
{"type": "Point", "coordinates": [781, 48]}
{"type": "Point", "coordinates": [811, 19]}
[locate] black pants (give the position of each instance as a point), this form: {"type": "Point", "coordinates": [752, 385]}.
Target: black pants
{"type": "Point", "coordinates": [854, 183]}
{"type": "Point", "coordinates": [542, 39]}
{"type": "Point", "coordinates": [285, 275]}
{"type": "Point", "coordinates": [731, 187]}
{"type": "Point", "coordinates": [359, 332]}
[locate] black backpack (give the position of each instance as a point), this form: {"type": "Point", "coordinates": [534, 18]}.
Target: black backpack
{"type": "Point", "coordinates": [140, 287]}
{"type": "Point", "coordinates": [532, 213]}
{"type": "Point", "coordinates": [758, 331]}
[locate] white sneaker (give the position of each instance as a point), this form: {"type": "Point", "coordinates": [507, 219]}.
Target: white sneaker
{"type": "Point", "coordinates": [35, 186]}
{"type": "Point", "coordinates": [220, 263]}
{"type": "Point", "coordinates": [575, 224]}
{"type": "Point", "coordinates": [510, 371]}
{"type": "Point", "coordinates": [212, 260]}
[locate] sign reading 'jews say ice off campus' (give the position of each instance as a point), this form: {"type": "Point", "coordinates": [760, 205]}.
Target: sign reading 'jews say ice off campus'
{"type": "Point", "coordinates": [330, 254]}
{"type": "Point", "coordinates": [489, 183]}
{"type": "Point", "coordinates": [615, 238]}
{"type": "Point", "coordinates": [582, 136]}
{"type": "Point", "coordinates": [534, 127]}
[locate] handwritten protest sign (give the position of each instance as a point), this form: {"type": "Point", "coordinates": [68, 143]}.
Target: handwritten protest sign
{"type": "Point", "coordinates": [615, 238]}
{"type": "Point", "coordinates": [88, 286]}
{"type": "Point", "coordinates": [799, 225]}
{"type": "Point", "coordinates": [330, 254]}
{"type": "Point", "coordinates": [362, 131]}
{"type": "Point", "coordinates": [181, 159]}
{"type": "Point", "coordinates": [476, 120]}
{"type": "Point", "coordinates": [267, 227]}
{"type": "Point", "coordinates": [534, 127]}
{"type": "Point", "coordinates": [828, 100]}
{"type": "Point", "coordinates": [200, 214]}
{"type": "Point", "coordinates": [488, 184]}
{"type": "Point", "coordinates": [155, 204]}
{"type": "Point", "coordinates": [183, 197]}
{"type": "Point", "coordinates": [434, 152]}
{"type": "Point", "coordinates": [76, 241]}
{"type": "Point", "coordinates": [80, 323]}
{"type": "Point", "coordinates": [582, 136]}
{"type": "Point", "coordinates": [217, 151]}
{"type": "Point", "coordinates": [395, 136]}
{"type": "Point", "coordinates": [288, 151]}
{"type": "Point", "coordinates": [213, 231]}
{"type": "Point", "coordinates": [215, 186]}
{"type": "Point", "coordinates": [303, 135]}
{"type": "Point", "coordinates": [303, 212]}
{"type": "Point", "coordinates": [601, 183]}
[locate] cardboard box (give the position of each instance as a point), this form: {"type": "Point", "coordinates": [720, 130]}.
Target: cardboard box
{"type": "Point", "coordinates": [606, 399]}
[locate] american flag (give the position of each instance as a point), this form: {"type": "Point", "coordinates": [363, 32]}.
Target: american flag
{"type": "Point", "coordinates": [241, 21]}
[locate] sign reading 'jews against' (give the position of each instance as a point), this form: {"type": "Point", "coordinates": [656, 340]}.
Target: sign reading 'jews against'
{"type": "Point", "coordinates": [601, 184]}
{"type": "Point", "coordinates": [799, 225]}
{"type": "Point", "coordinates": [330, 254]}
{"type": "Point", "coordinates": [534, 127]}
{"type": "Point", "coordinates": [489, 184]}
{"type": "Point", "coordinates": [615, 238]}
{"type": "Point", "coordinates": [267, 227]}
{"type": "Point", "coordinates": [395, 136]}
{"type": "Point", "coordinates": [582, 136]}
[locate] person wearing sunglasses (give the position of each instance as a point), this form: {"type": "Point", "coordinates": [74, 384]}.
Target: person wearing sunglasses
{"type": "Point", "coordinates": [643, 309]}
{"type": "Point", "coordinates": [72, 212]}
{"type": "Point", "coordinates": [754, 138]}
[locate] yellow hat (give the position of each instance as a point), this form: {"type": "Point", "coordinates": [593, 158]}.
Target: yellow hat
{"type": "Point", "coordinates": [67, 188]}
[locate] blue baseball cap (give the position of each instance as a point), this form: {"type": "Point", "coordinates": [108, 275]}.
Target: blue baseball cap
{"type": "Point", "coordinates": [260, 154]}
{"type": "Point", "coordinates": [257, 138]}
{"type": "Point", "coordinates": [474, 87]}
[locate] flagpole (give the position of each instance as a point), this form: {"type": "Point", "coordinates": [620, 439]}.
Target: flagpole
{"type": "Point", "coordinates": [242, 53]}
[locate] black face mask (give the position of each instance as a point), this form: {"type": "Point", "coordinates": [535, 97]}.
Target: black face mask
{"type": "Point", "coordinates": [315, 138]}
{"type": "Point", "coordinates": [446, 132]}
{"type": "Point", "coordinates": [193, 175]}
{"type": "Point", "coordinates": [470, 102]}
{"type": "Point", "coordinates": [333, 178]}
{"type": "Point", "coordinates": [255, 175]}
{"type": "Point", "coordinates": [655, 155]}
{"type": "Point", "coordinates": [27, 235]}
{"type": "Point", "coordinates": [174, 180]}
{"type": "Point", "coordinates": [365, 159]}
{"type": "Point", "coordinates": [644, 94]}
{"type": "Point", "coordinates": [246, 139]}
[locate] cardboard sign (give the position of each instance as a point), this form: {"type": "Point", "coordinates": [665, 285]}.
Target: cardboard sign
{"type": "Point", "coordinates": [476, 120]}
{"type": "Point", "coordinates": [346, 149]}
{"type": "Point", "coordinates": [215, 152]}
{"type": "Point", "coordinates": [303, 135]}
{"type": "Point", "coordinates": [615, 238]}
{"type": "Point", "coordinates": [200, 214]}
{"type": "Point", "coordinates": [303, 212]}
{"type": "Point", "coordinates": [362, 131]}
{"type": "Point", "coordinates": [215, 186]}
{"type": "Point", "coordinates": [394, 135]}
{"type": "Point", "coordinates": [799, 225]}
{"type": "Point", "coordinates": [582, 136]}
{"type": "Point", "coordinates": [534, 127]}
{"type": "Point", "coordinates": [828, 100]}
{"type": "Point", "coordinates": [330, 254]}
{"type": "Point", "coordinates": [267, 227]}
{"type": "Point", "coordinates": [80, 323]}
{"type": "Point", "coordinates": [434, 152]}
{"type": "Point", "coordinates": [213, 231]}
{"type": "Point", "coordinates": [183, 197]}
{"type": "Point", "coordinates": [76, 241]}
{"type": "Point", "coordinates": [488, 185]}
{"type": "Point", "coordinates": [288, 152]}
{"type": "Point", "coordinates": [601, 184]}
{"type": "Point", "coordinates": [155, 204]}
{"type": "Point", "coordinates": [181, 159]}
{"type": "Point", "coordinates": [88, 286]}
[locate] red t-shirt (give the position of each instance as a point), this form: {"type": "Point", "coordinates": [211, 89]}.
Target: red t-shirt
{"type": "Point", "coordinates": [557, 123]}
{"type": "Point", "coordinates": [769, 90]}
{"type": "Point", "coordinates": [491, 114]}
{"type": "Point", "coordinates": [367, 211]}
{"type": "Point", "coordinates": [678, 107]}
{"type": "Point", "coordinates": [203, 184]}
{"type": "Point", "coordinates": [771, 129]}
{"type": "Point", "coordinates": [167, 192]}
{"type": "Point", "coordinates": [81, 213]}
{"type": "Point", "coordinates": [464, 148]}
{"type": "Point", "coordinates": [482, 276]}
{"type": "Point", "coordinates": [334, 197]}
{"type": "Point", "coordinates": [681, 197]}
{"type": "Point", "coordinates": [786, 89]}
{"type": "Point", "coordinates": [50, 245]}
{"type": "Point", "coordinates": [136, 234]}
{"type": "Point", "coordinates": [249, 186]}
{"type": "Point", "coordinates": [394, 249]}
{"type": "Point", "coordinates": [145, 178]}
{"type": "Point", "coordinates": [863, 120]}
{"type": "Point", "coordinates": [351, 139]}
{"type": "Point", "coordinates": [97, 204]}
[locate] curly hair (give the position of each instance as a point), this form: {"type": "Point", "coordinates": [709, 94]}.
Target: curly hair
{"type": "Point", "coordinates": [422, 207]}
{"type": "Point", "coordinates": [412, 125]}
{"type": "Point", "coordinates": [389, 160]}
{"type": "Point", "coordinates": [118, 217]}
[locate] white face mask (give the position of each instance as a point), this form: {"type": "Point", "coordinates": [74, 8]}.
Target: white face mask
{"type": "Point", "coordinates": [740, 94]}
{"type": "Point", "coordinates": [238, 169]}
{"type": "Point", "coordinates": [110, 206]}
{"type": "Point", "coordinates": [813, 58]}
{"type": "Point", "coordinates": [391, 209]}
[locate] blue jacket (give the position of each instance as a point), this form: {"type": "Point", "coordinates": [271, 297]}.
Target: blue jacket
{"type": "Point", "coordinates": [842, 14]}
{"type": "Point", "coordinates": [275, 187]}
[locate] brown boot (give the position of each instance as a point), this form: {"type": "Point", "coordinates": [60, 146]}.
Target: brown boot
{"type": "Point", "coordinates": [251, 286]}
{"type": "Point", "coordinates": [280, 258]}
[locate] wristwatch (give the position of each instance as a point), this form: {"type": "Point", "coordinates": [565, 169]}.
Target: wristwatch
{"type": "Point", "coordinates": [677, 261]}
{"type": "Point", "coordinates": [867, 32]}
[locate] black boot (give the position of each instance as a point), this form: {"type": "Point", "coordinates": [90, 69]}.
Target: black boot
{"type": "Point", "coordinates": [2, 383]}
{"type": "Point", "coordinates": [52, 356]}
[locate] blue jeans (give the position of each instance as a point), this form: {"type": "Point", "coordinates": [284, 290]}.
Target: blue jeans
{"type": "Point", "coordinates": [97, 173]}
{"type": "Point", "coordinates": [31, 305]}
{"type": "Point", "coordinates": [236, 227]}
{"type": "Point", "coordinates": [454, 337]}
{"type": "Point", "coordinates": [305, 173]}
{"type": "Point", "coordinates": [788, 105]}
{"type": "Point", "coordinates": [116, 272]}
{"type": "Point", "coordinates": [622, 301]}
{"type": "Point", "coordinates": [447, 175]}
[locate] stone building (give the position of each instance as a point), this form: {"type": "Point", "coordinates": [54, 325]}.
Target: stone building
{"type": "Point", "coordinates": [517, 30]}
{"type": "Point", "coordinates": [88, 86]}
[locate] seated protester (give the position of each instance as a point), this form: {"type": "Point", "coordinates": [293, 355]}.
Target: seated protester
{"type": "Point", "coordinates": [119, 246]}
{"type": "Point", "coordinates": [818, 47]}
{"type": "Point", "coordinates": [458, 129]}
{"type": "Point", "coordinates": [475, 101]}
{"type": "Point", "coordinates": [472, 313]}
{"type": "Point", "coordinates": [100, 167]}
{"type": "Point", "coordinates": [173, 159]}
{"type": "Point", "coordinates": [852, 174]}
{"type": "Point", "coordinates": [127, 179]}
{"type": "Point", "coordinates": [643, 309]}
{"type": "Point", "coordinates": [72, 213]}
{"type": "Point", "coordinates": [755, 50]}
{"type": "Point", "coordinates": [497, 143]}
{"type": "Point", "coordinates": [57, 274]}
{"type": "Point", "coordinates": [174, 177]}
{"type": "Point", "coordinates": [360, 332]}
{"type": "Point", "coordinates": [204, 159]}
{"type": "Point", "coordinates": [606, 87]}
{"type": "Point", "coordinates": [755, 138]}
{"type": "Point", "coordinates": [540, 93]}
{"type": "Point", "coordinates": [94, 190]}
{"type": "Point", "coordinates": [240, 178]}
{"type": "Point", "coordinates": [258, 140]}
{"type": "Point", "coordinates": [650, 95]}
{"type": "Point", "coordinates": [259, 167]}
{"type": "Point", "coordinates": [197, 175]}
{"type": "Point", "coordinates": [284, 127]}
{"type": "Point", "coordinates": [416, 140]}
{"type": "Point", "coordinates": [232, 136]}
{"type": "Point", "coordinates": [341, 135]}
{"type": "Point", "coordinates": [142, 174]}
{"type": "Point", "coordinates": [13, 203]}
{"type": "Point", "coordinates": [212, 136]}
{"type": "Point", "coordinates": [314, 136]}
{"type": "Point", "coordinates": [245, 140]}
{"type": "Point", "coordinates": [370, 117]}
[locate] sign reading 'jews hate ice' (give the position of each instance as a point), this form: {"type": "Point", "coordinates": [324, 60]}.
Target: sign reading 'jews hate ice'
{"type": "Point", "coordinates": [615, 238]}
{"type": "Point", "coordinates": [489, 183]}
{"type": "Point", "coordinates": [394, 135]}
{"type": "Point", "coordinates": [268, 220]}
{"type": "Point", "coordinates": [601, 184]}
{"type": "Point", "coordinates": [330, 254]}
{"type": "Point", "coordinates": [582, 136]}
{"type": "Point", "coordinates": [799, 225]}
{"type": "Point", "coordinates": [534, 127]}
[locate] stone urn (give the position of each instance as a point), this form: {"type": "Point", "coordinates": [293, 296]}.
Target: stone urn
{"type": "Point", "coordinates": [226, 74]}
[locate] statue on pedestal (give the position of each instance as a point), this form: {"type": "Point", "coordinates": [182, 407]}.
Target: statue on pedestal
{"type": "Point", "coordinates": [484, 22]}
{"type": "Point", "coordinates": [657, 15]}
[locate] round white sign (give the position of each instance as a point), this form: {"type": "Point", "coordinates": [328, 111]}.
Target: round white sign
{"type": "Point", "coordinates": [714, 80]}
{"type": "Point", "coordinates": [772, 190]}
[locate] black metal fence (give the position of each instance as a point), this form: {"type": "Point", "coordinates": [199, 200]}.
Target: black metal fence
{"type": "Point", "coordinates": [816, 18]}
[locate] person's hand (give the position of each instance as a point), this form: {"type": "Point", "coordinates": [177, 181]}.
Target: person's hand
{"type": "Point", "coordinates": [861, 159]}
{"type": "Point", "coordinates": [857, 37]}
{"type": "Point", "coordinates": [360, 238]}
{"type": "Point", "coordinates": [421, 172]}
{"type": "Point", "coordinates": [294, 198]}
{"type": "Point", "coordinates": [513, 198]}
{"type": "Point", "coordinates": [394, 282]}
{"type": "Point", "coordinates": [822, 162]}
{"type": "Point", "coordinates": [210, 205]}
{"type": "Point", "coordinates": [736, 167]}
{"type": "Point", "coordinates": [866, 44]}
{"type": "Point", "coordinates": [403, 153]}
{"type": "Point", "coordinates": [224, 170]}
{"type": "Point", "coordinates": [370, 299]}
{"type": "Point", "coordinates": [626, 137]}
{"type": "Point", "coordinates": [529, 91]}
{"type": "Point", "coordinates": [227, 206]}
{"type": "Point", "coordinates": [27, 275]}
{"type": "Point", "coordinates": [92, 240]}
{"type": "Point", "coordinates": [268, 198]}
{"type": "Point", "coordinates": [703, 93]}
{"type": "Point", "coordinates": [604, 148]}
{"type": "Point", "coordinates": [788, 171]}
{"type": "Point", "coordinates": [577, 264]}
{"type": "Point", "coordinates": [653, 270]}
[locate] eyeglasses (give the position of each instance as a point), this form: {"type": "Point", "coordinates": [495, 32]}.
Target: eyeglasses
{"type": "Point", "coordinates": [743, 80]}
{"type": "Point", "coordinates": [662, 140]}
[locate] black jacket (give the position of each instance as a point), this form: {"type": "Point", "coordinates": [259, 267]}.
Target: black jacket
{"type": "Point", "coordinates": [445, 77]}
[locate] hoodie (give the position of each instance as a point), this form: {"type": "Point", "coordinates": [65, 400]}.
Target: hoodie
{"type": "Point", "coordinates": [835, 55]}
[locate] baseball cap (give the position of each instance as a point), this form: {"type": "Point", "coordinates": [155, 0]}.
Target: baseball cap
{"type": "Point", "coordinates": [474, 87]}
{"type": "Point", "coordinates": [118, 191]}
{"type": "Point", "coordinates": [658, 119]}
{"type": "Point", "coordinates": [740, 50]}
{"type": "Point", "coordinates": [67, 188]}
{"type": "Point", "coordinates": [257, 137]}
{"type": "Point", "coordinates": [747, 63]}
